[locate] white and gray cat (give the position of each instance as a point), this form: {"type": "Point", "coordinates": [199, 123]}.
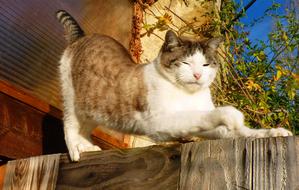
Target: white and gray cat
{"type": "Point", "coordinates": [166, 99]}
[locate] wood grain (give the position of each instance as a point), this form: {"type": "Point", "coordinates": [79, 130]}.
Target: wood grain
{"type": "Point", "coordinates": [24, 96]}
{"type": "Point", "coordinates": [32, 174]}
{"type": "Point", "coordinates": [201, 169]}
{"type": "Point", "coordinates": [32, 40]}
{"type": "Point", "coordinates": [109, 139]}
{"type": "Point", "coordinates": [231, 164]}
{"type": "Point", "coordinates": [20, 129]}
{"type": "Point", "coordinates": [270, 163]}
{"type": "Point", "coordinates": [154, 168]}
{"type": "Point", "coordinates": [274, 163]}
{"type": "Point", "coordinates": [26, 131]}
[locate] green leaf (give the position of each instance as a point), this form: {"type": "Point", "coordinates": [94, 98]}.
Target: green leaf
{"type": "Point", "coordinates": [278, 75]}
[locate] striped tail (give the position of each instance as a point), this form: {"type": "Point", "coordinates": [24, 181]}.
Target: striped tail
{"type": "Point", "coordinates": [72, 29]}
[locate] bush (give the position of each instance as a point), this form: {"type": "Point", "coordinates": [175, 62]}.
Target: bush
{"type": "Point", "coordinates": [261, 77]}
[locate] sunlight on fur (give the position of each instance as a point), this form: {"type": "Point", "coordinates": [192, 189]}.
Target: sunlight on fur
{"type": "Point", "coordinates": [166, 99]}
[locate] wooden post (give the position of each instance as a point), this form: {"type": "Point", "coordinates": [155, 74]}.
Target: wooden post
{"type": "Point", "coordinates": [269, 163]}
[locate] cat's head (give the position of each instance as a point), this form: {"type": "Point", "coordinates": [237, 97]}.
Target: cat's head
{"type": "Point", "coordinates": [189, 64]}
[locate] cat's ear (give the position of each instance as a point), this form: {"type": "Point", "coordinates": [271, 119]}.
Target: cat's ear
{"type": "Point", "coordinates": [171, 40]}
{"type": "Point", "coordinates": [214, 43]}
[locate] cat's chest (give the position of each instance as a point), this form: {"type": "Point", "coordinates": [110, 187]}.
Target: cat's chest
{"type": "Point", "coordinates": [171, 99]}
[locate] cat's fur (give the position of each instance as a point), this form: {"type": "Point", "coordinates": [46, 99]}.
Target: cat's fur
{"type": "Point", "coordinates": [166, 99]}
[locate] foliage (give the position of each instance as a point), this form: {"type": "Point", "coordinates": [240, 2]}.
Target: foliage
{"type": "Point", "coordinates": [258, 77]}
{"type": "Point", "coordinates": [262, 77]}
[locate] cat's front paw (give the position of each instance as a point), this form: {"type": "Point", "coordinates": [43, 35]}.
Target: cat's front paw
{"type": "Point", "coordinates": [230, 117]}
{"type": "Point", "coordinates": [279, 132]}
{"type": "Point", "coordinates": [74, 153]}
{"type": "Point", "coordinates": [76, 149]}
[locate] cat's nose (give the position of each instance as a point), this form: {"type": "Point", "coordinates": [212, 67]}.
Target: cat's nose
{"type": "Point", "coordinates": [197, 76]}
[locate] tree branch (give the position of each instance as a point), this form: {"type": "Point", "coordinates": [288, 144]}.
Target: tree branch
{"type": "Point", "coordinates": [238, 16]}
{"type": "Point", "coordinates": [244, 10]}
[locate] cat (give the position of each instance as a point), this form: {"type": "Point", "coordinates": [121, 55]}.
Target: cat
{"type": "Point", "coordinates": [165, 99]}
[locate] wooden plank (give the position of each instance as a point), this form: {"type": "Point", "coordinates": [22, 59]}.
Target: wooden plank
{"type": "Point", "coordinates": [270, 163]}
{"type": "Point", "coordinates": [147, 168]}
{"type": "Point", "coordinates": [233, 156]}
{"type": "Point", "coordinates": [202, 170]}
{"type": "Point", "coordinates": [32, 40]}
{"type": "Point", "coordinates": [252, 164]}
{"type": "Point", "coordinates": [274, 164]}
{"type": "Point", "coordinates": [38, 128]}
{"type": "Point", "coordinates": [26, 131]}
{"type": "Point", "coordinates": [33, 173]}
{"type": "Point", "coordinates": [31, 44]}
{"type": "Point", "coordinates": [108, 139]}
{"type": "Point", "coordinates": [27, 98]}
{"type": "Point", "coordinates": [39, 53]}
{"type": "Point", "coordinates": [20, 129]}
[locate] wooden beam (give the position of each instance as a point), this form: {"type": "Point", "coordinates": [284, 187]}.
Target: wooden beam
{"type": "Point", "coordinates": [26, 131]}
{"type": "Point", "coordinates": [153, 167]}
{"type": "Point", "coordinates": [28, 121]}
{"type": "Point", "coordinates": [107, 141]}
{"type": "Point", "coordinates": [32, 173]}
{"type": "Point", "coordinates": [270, 163]}
{"type": "Point", "coordinates": [27, 98]}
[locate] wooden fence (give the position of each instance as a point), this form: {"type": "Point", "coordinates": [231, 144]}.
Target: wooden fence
{"type": "Point", "coordinates": [261, 164]}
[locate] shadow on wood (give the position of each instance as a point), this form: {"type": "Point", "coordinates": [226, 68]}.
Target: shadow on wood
{"type": "Point", "coordinates": [270, 163]}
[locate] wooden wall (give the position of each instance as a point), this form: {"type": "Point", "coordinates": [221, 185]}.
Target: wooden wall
{"type": "Point", "coordinates": [31, 39]}
{"type": "Point", "coordinates": [31, 44]}
{"type": "Point", "coordinates": [30, 127]}
{"type": "Point", "coordinates": [26, 130]}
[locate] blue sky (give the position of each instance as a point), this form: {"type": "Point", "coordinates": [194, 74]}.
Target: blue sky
{"type": "Point", "coordinates": [260, 30]}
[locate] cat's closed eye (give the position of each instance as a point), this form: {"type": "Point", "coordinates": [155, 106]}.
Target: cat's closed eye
{"type": "Point", "coordinates": [205, 65]}
{"type": "Point", "coordinates": [173, 60]}
{"type": "Point", "coordinates": [186, 63]}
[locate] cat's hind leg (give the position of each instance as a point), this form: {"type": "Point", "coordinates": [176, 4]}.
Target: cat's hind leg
{"type": "Point", "coordinates": [71, 135]}
{"type": "Point", "coordinates": [75, 129]}
{"type": "Point", "coordinates": [78, 136]}
{"type": "Point", "coordinates": [86, 144]}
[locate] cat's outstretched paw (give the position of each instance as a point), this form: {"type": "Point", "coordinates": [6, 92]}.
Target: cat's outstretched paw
{"type": "Point", "coordinates": [274, 132]}
{"type": "Point", "coordinates": [279, 132]}
{"type": "Point", "coordinates": [74, 151]}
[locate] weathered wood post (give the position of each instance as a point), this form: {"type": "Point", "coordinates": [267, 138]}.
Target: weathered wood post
{"type": "Point", "coordinates": [261, 164]}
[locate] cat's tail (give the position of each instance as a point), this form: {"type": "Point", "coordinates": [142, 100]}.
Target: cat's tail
{"type": "Point", "coordinates": [72, 29]}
